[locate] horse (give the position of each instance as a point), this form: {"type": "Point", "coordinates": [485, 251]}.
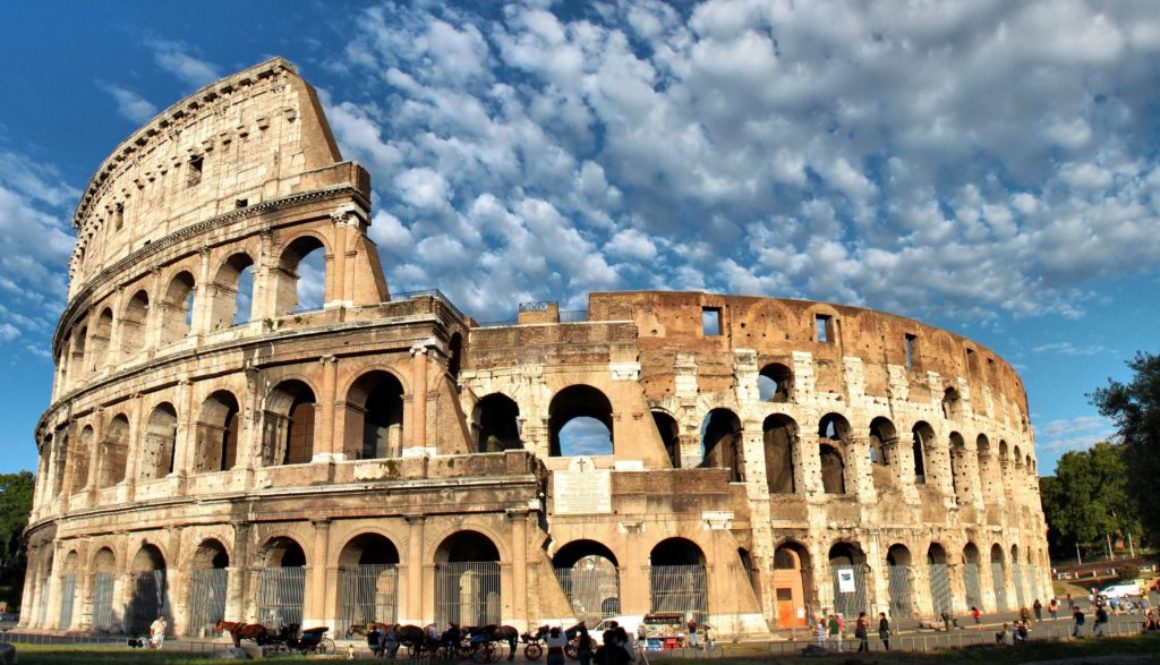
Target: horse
{"type": "Point", "coordinates": [243, 631]}
{"type": "Point", "coordinates": [507, 634]}
{"type": "Point", "coordinates": [412, 636]}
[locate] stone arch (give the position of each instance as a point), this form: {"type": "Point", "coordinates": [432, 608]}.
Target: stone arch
{"type": "Point", "coordinates": [149, 595]}
{"type": "Point", "coordinates": [68, 590]}
{"type": "Point", "coordinates": [721, 445]}
{"type": "Point", "coordinates": [217, 432]}
{"type": "Point", "coordinates": [971, 583]}
{"type": "Point", "coordinates": [368, 581]}
{"type": "Point", "coordinates": [782, 446]}
{"type": "Point", "coordinates": [792, 580]}
{"type": "Point", "coordinates": [960, 476]}
{"type": "Point", "coordinates": [114, 455]}
{"type": "Point", "coordinates": [922, 436]}
{"type": "Point", "coordinates": [900, 580]}
{"type": "Point", "coordinates": [775, 383]}
{"type": "Point", "coordinates": [79, 352]}
{"type": "Point", "coordinates": [374, 416]}
{"type": "Point", "coordinates": [81, 454]}
{"type": "Point", "coordinates": [670, 433]}
{"type": "Point", "coordinates": [232, 303]}
{"type": "Point", "coordinates": [291, 293]}
{"type": "Point", "coordinates": [938, 574]}
{"type": "Point", "coordinates": [177, 307]}
{"type": "Point", "coordinates": [496, 420]}
{"type": "Point", "coordinates": [60, 455]}
{"type": "Point", "coordinates": [677, 578]}
{"type": "Point", "coordinates": [833, 437]}
{"type": "Point", "coordinates": [883, 451]}
{"type": "Point", "coordinates": [159, 452]}
{"type": "Point", "coordinates": [589, 574]}
{"type": "Point", "coordinates": [101, 334]}
{"type": "Point", "coordinates": [584, 437]}
{"type": "Point", "coordinates": [104, 579]}
{"type": "Point", "coordinates": [999, 578]}
{"type": "Point", "coordinates": [208, 582]}
{"type": "Point", "coordinates": [290, 423]}
{"type": "Point", "coordinates": [134, 323]}
{"type": "Point", "coordinates": [281, 582]}
{"type": "Point", "coordinates": [848, 571]}
{"type": "Point", "coordinates": [467, 580]}
{"type": "Point", "coordinates": [989, 479]}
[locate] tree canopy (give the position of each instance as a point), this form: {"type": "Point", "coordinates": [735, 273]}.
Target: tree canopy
{"type": "Point", "coordinates": [1088, 497]}
{"type": "Point", "coordinates": [15, 505]}
{"type": "Point", "coordinates": [1135, 409]}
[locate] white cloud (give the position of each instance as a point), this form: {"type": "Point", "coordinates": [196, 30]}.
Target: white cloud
{"type": "Point", "coordinates": [1070, 349]}
{"type": "Point", "coordinates": [1077, 433]}
{"type": "Point", "coordinates": [174, 57]}
{"type": "Point", "coordinates": [130, 105]}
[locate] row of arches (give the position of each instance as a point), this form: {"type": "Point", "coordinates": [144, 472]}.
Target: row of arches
{"type": "Point", "coordinates": [152, 318]}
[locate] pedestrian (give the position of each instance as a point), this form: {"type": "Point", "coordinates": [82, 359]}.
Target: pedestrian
{"type": "Point", "coordinates": [1053, 608]}
{"type": "Point", "coordinates": [583, 650]}
{"type": "Point", "coordinates": [976, 615]}
{"type": "Point", "coordinates": [1038, 607]}
{"type": "Point", "coordinates": [375, 641]}
{"type": "Point", "coordinates": [820, 632]}
{"type": "Point", "coordinates": [391, 640]}
{"type": "Point", "coordinates": [1070, 602]}
{"type": "Point", "coordinates": [884, 630]}
{"type": "Point", "coordinates": [706, 638]}
{"type": "Point", "coordinates": [1025, 614]}
{"type": "Point", "coordinates": [157, 632]}
{"type": "Point", "coordinates": [1077, 617]}
{"type": "Point", "coordinates": [835, 630]}
{"type": "Point", "coordinates": [1022, 632]}
{"type": "Point", "coordinates": [692, 626]}
{"type": "Point", "coordinates": [556, 642]}
{"type": "Point", "coordinates": [1101, 621]}
{"type": "Point", "coordinates": [861, 631]}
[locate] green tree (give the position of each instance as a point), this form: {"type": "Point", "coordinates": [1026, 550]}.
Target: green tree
{"type": "Point", "coordinates": [15, 505]}
{"type": "Point", "coordinates": [1088, 498]}
{"type": "Point", "coordinates": [1135, 408]}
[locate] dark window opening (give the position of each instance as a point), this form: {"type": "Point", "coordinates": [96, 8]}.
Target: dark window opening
{"type": "Point", "coordinates": [498, 424]}
{"type": "Point", "coordinates": [670, 436]}
{"type": "Point", "coordinates": [721, 443]}
{"type": "Point", "coordinates": [241, 203]}
{"type": "Point", "coordinates": [710, 321]}
{"type": "Point", "coordinates": [824, 327]}
{"type": "Point", "coordinates": [580, 423]}
{"type": "Point", "coordinates": [119, 216]}
{"type": "Point", "coordinates": [911, 350]}
{"type": "Point", "coordinates": [193, 176]}
{"type": "Point", "coordinates": [922, 436]}
{"type": "Point", "coordinates": [779, 433]}
{"type": "Point", "coordinates": [775, 383]}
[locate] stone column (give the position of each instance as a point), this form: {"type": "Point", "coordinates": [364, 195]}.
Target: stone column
{"type": "Point", "coordinates": [519, 586]}
{"type": "Point", "coordinates": [413, 567]}
{"type": "Point", "coordinates": [240, 566]}
{"type": "Point", "coordinates": [186, 435]}
{"type": "Point", "coordinates": [314, 612]}
{"type": "Point", "coordinates": [328, 447]}
{"type": "Point", "coordinates": [635, 575]}
{"type": "Point", "coordinates": [860, 477]}
{"type": "Point", "coordinates": [418, 427]}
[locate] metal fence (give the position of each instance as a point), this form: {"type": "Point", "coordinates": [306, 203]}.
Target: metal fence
{"type": "Point", "coordinates": [683, 589]}
{"type": "Point", "coordinates": [45, 594]}
{"type": "Point", "coordinates": [368, 593]}
{"type": "Point", "coordinates": [898, 583]}
{"type": "Point", "coordinates": [940, 589]}
{"type": "Point", "coordinates": [103, 600]}
{"type": "Point", "coordinates": [147, 601]}
{"type": "Point", "coordinates": [593, 594]}
{"type": "Point", "coordinates": [467, 593]}
{"type": "Point", "coordinates": [281, 595]}
{"type": "Point", "coordinates": [1017, 578]}
{"type": "Point", "coordinates": [850, 603]}
{"type": "Point", "coordinates": [971, 582]}
{"type": "Point", "coordinates": [207, 600]}
{"type": "Point", "coordinates": [999, 586]}
{"type": "Point", "coordinates": [68, 593]}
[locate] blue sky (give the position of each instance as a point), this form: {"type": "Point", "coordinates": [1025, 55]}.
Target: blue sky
{"type": "Point", "coordinates": [990, 167]}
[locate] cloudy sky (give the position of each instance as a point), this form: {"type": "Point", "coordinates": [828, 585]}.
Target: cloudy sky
{"type": "Point", "coordinates": [988, 166]}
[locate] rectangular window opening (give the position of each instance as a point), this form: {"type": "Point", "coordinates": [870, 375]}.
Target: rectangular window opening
{"type": "Point", "coordinates": [824, 325]}
{"type": "Point", "coordinates": [241, 203]}
{"type": "Point", "coordinates": [911, 350]}
{"type": "Point", "coordinates": [710, 321]}
{"type": "Point", "coordinates": [195, 166]}
{"type": "Point", "coordinates": [119, 216]}
{"type": "Point", "coordinates": [972, 365]}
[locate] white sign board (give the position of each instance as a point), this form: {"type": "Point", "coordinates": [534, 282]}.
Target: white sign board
{"type": "Point", "coordinates": [846, 580]}
{"type": "Point", "coordinates": [582, 489]}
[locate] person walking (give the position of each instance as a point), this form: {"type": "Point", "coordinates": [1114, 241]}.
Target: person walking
{"type": "Point", "coordinates": [556, 642]}
{"type": "Point", "coordinates": [1053, 608]}
{"type": "Point", "coordinates": [976, 614]}
{"type": "Point", "coordinates": [884, 630]}
{"type": "Point", "coordinates": [375, 641]}
{"type": "Point", "coordinates": [583, 649]}
{"type": "Point", "coordinates": [1038, 607]}
{"type": "Point", "coordinates": [1101, 621]}
{"type": "Point", "coordinates": [391, 641]}
{"type": "Point", "coordinates": [861, 631]}
{"type": "Point", "coordinates": [692, 626]}
{"type": "Point", "coordinates": [835, 630]}
{"type": "Point", "coordinates": [157, 632]}
{"type": "Point", "coordinates": [1077, 628]}
{"type": "Point", "coordinates": [820, 632]}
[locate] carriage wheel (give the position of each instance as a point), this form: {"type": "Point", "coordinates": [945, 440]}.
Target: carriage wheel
{"type": "Point", "coordinates": [413, 650]}
{"type": "Point", "coordinates": [326, 646]}
{"type": "Point", "coordinates": [495, 653]}
{"type": "Point", "coordinates": [533, 651]}
{"type": "Point", "coordinates": [571, 651]}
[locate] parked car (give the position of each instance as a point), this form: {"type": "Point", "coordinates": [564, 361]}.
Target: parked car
{"type": "Point", "coordinates": [1120, 590]}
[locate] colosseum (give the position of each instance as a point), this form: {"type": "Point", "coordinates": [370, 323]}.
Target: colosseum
{"type": "Point", "coordinates": [220, 446]}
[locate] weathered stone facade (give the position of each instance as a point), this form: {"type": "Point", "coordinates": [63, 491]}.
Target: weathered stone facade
{"type": "Point", "coordinates": [386, 457]}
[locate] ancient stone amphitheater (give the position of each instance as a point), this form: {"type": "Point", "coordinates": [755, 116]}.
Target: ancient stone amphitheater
{"type": "Point", "coordinates": [218, 447]}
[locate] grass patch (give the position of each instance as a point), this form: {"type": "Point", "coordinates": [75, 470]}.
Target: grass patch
{"type": "Point", "coordinates": [45, 654]}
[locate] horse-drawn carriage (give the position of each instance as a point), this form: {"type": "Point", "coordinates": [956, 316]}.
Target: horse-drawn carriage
{"type": "Point", "coordinates": [288, 638]}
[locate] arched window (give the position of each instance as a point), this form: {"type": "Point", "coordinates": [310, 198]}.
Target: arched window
{"type": "Point", "coordinates": [301, 277]}
{"type": "Point", "coordinates": [233, 292]}
{"type": "Point", "coordinates": [157, 455]}
{"type": "Point", "coordinates": [587, 572]}
{"type": "Point", "coordinates": [374, 408]}
{"type": "Point", "coordinates": [677, 578]}
{"type": "Point", "coordinates": [497, 419]}
{"type": "Point", "coordinates": [217, 432]}
{"type": "Point", "coordinates": [921, 436]}
{"type": "Point", "coordinates": [100, 340]}
{"type": "Point", "coordinates": [670, 434]}
{"type": "Point", "coordinates": [780, 437]}
{"type": "Point", "coordinates": [951, 403]}
{"type": "Point", "coordinates": [177, 309]}
{"type": "Point", "coordinates": [960, 480]}
{"type": "Point", "coordinates": [467, 580]}
{"type": "Point", "coordinates": [580, 422]}
{"type": "Point", "coordinates": [290, 415]}
{"type": "Point", "coordinates": [133, 324]}
{"type": "Point", "coordinates": [114, 451]}
{"type": "Point", "coordinates": [149, 593]}
{"type": "Point", "coordinates": [833, 435]}
{"type": "Point", "coordinates": [721, 444]}
{"type": "Point", "coordinates": [80, 460]}
{"type": "Point", "coordinates": [368, 581]}
{"type": "Point", "coordinates": [208, 582]}
{"type": "Point", "coordinates": [848, 575]}
{"type": "Point", "coordinates": [775, 383]}
{"type": "Point", "coordinates": [281, 583]}
{"type": "Point", "coordinates": [899, 576]}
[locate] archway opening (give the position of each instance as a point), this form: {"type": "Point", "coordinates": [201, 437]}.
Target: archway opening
{"type": "Point", "coordinates": [775, 383]}
{"type": "Point", "coordinates": [590, 578]}
{"type": "Point", "coordinates": [281, 584]}
{"type": "Point", "coordinates": [974, 591]}
{"type": "Point", "coordinates": [580, 422]}
{"type": "Point", "coordinates": [900, 581]}
{"type": "Point", "coordinates": [217, 432]}
{"type": "Point", "coordinates": [921, 436]}
{"type": "Point", "coordinates": [368, 579]}
{"type": "Point", "coordinates": [960, 478]}
{"type": "Point", "coordinates": [721, 445]}
{"type": "Point", "coordinates": [940, 580]}
{"type": "Point", "coordinates": [301, 277]}
{"type": "Point", "coordinates": [999, 578]}
{"type": "Point", "coordinates": [177, 308]}
{"type": "Point", "coordinates": [160, 449]}
{"type": "Point", "coordinates": [670, 434]}
{"type": "Point", "coordinates": [233, 292]}
{"type": "Point", "coordinates": [780, 439]}
{"type": "Point", "coordinates": [290, 423]}
{"type": "Point", "coordinates": [467, 580]}
{"type": "Point", "coordinates": [791, 579]}
{"type": "Point", "coordinates": [149, 597]}
{"type": "Point", "coordinates": [497, 424]}
{"type": "Point", "coordinates": [833, 437]}
{"type": "Point", "coordinates": [1017, 578]}
{"type": "Point", "coordinates": [208, 581]}
{"type": "Point", "coordinates": [68, 590]}
{"type": "Point", "coordinates": [102, 333]}
{"type": "Point", "coordinates": [114, 451]}
{"type": "Point", "coordinates": [81, 455]}
{"type": "Point", "coordinates": [677, 579]}
{"type": "Point", "coordinates": [104, 580]}
{"type": "Point", "coordinates": [133, 324]}
{"type": "Point", "coordinates": [883, 452]}
{"type": "Point", "coordinates": [374, 412]}
{"type": "Point", "coordinates": [848, 573]}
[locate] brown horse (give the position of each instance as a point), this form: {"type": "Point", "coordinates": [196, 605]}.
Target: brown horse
{"type": "Point", "coordinates": [243, 631]}
{"type": "Point", "coordinates": [411, 636]}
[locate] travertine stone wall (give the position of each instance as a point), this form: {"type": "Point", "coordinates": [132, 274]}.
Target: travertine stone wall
{"type": "Point", "coordinates": [395, 431]}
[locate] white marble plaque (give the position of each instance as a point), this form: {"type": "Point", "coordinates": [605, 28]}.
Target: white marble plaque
{"type": "Point", "coordinates": [582, 489]}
